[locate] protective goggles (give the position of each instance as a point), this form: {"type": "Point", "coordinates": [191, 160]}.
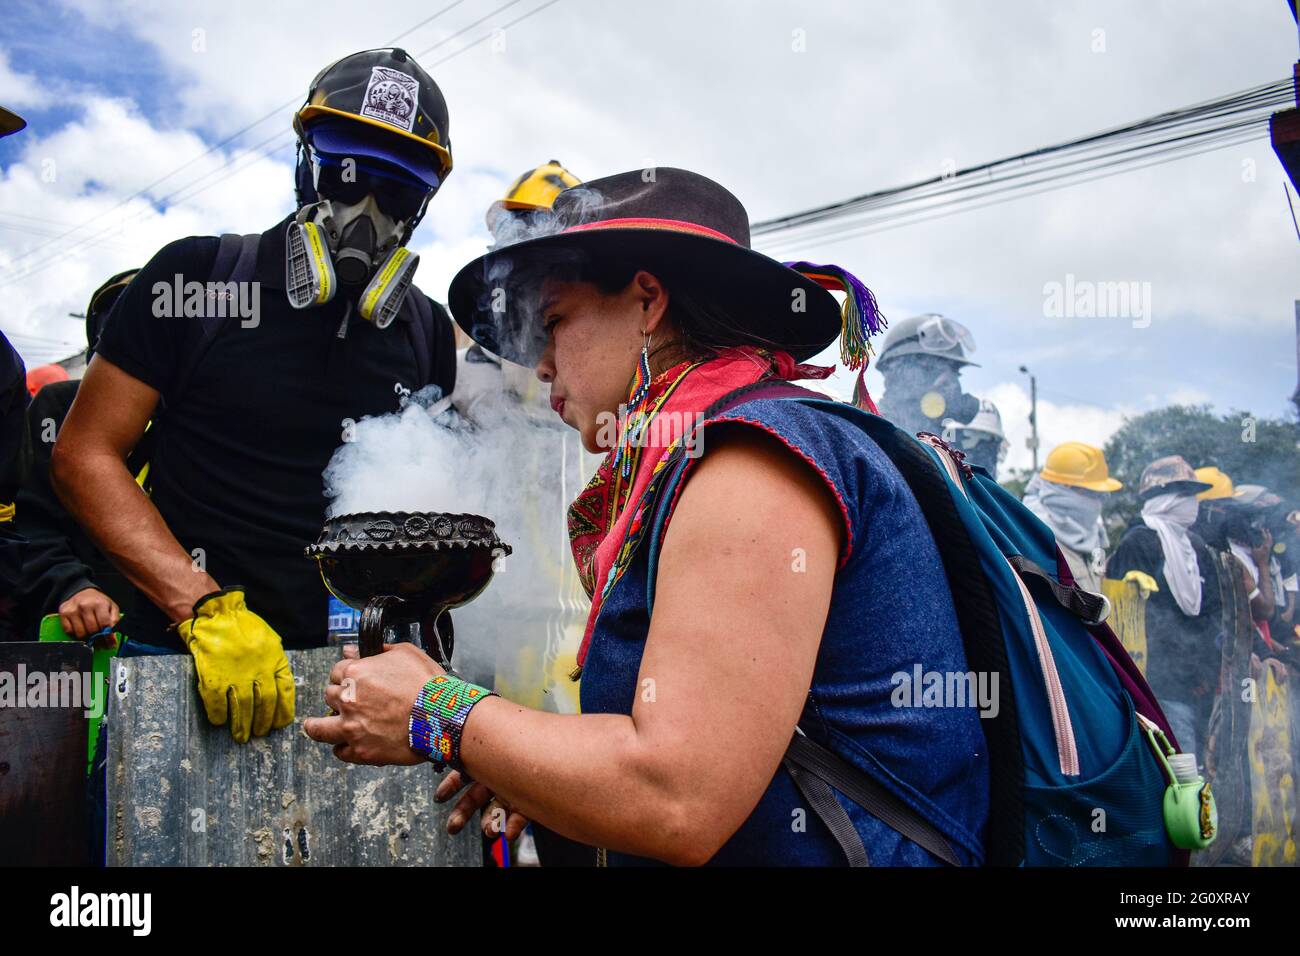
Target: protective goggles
{"type": "Point", "coordinates": [349, 181]}
{"type": "Point", "coordinates": [939, 334]}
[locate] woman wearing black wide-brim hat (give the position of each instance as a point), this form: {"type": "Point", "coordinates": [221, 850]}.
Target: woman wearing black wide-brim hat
{"type": "Point", "coordinates": [760, 573]}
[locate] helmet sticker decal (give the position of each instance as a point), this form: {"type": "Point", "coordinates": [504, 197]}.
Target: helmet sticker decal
{"type": "Point", "coordinates": [391, 97]}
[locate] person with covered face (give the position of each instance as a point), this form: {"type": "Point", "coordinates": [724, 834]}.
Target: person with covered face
{"type": "Point", "coordinates": [921, 362]}
{"type": "Point", "coordinates": [762, 579]}
{"type": "Point", "coordinates": [1286, 550]}
{"type": "Point", "coordinates": [1068, 494]}
{"type": "Point", "coordinates": [246, 358]}
{"type": "Point", "coordinates": [1247, 528]}
{"type": "Point", "coordinates": [1169, 560]}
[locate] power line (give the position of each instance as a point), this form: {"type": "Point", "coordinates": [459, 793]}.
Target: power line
{"type": "Point", "coordinates": [30, 230]}
{"type": "Point", "coordinates": [40, 340]}
{"type": "Point", "coordinates": [1225, 121]}
{"type": "Point", "coordinates": [968, 203]}
{"type": "Point", "coordinates": [1259, 100]}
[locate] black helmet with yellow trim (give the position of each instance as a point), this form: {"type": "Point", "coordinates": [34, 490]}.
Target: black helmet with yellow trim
{"type": "Point", "coordinates": [385, 92]}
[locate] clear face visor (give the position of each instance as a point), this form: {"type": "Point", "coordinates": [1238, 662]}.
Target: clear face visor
{"type": "Point", "coordinates": [940, 334]}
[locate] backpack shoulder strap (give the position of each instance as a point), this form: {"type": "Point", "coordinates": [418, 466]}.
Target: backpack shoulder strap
{"type": "Point", "coordinates": [236, 261]}
{"type": "Point", "coordinates": [828, 767]}
{"type": "Point", "coordinates": [763, 388]}
{"type": "Point", "coordinates": [814, 768]}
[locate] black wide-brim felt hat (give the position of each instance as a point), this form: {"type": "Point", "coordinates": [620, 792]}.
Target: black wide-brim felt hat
{"type": "Point", "coordinates": [679, 225]}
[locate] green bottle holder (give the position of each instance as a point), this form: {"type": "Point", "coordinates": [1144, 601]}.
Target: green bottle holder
{"type": "Point", "coordinates": [104, 650]}
{"type": "Point", "coordinates": [1191, 818]}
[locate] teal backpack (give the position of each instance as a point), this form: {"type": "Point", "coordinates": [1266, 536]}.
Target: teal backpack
{"type": "Point", "coordinates": [1079, 748]}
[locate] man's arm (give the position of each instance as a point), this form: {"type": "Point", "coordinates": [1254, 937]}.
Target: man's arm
{"type": "Point", "coordinates": [88, 472]}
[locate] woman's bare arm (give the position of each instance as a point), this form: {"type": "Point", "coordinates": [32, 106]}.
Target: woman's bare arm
{"type": "Point", "coordinates": [88, 471]}
{"type": "Point", "coordinates": [737, 622]}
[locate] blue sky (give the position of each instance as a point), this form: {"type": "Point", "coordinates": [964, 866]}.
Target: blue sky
{"type": "Point", "coordinates": [61, 47]}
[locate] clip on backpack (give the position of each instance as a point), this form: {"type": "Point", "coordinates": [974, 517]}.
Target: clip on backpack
{"type": "Point", "coordinates": [1083, 768]}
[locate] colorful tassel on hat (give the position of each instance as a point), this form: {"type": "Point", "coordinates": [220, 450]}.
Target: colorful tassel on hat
{"type": "Point", "coordinates": [860, 314]}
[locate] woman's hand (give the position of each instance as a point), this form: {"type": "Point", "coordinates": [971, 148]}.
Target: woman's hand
{"type": "Point", "coordinates": [371, 700]}
{"type": "Point", "coordinates": [496, 814]}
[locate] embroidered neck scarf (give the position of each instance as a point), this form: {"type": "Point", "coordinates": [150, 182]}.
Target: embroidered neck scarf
{"type": "Point", "coordinates": [603, 525]}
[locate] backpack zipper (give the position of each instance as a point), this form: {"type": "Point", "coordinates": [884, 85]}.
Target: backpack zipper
{"type": "Point", "coordinates": [1066, 748]}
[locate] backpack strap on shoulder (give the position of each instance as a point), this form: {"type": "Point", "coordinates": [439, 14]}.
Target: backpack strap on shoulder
{"type": "Point", "coordinates": [1088, 607]}
{"type": "Point", "coordinates": [236, 261]}
{"type": "Point", "coordinates": [813, 768]}
{"type": "Point", "coordinates": [827, 767]}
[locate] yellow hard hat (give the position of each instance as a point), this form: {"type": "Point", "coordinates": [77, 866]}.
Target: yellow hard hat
{"type": "Point", "coordinates": [1220, 485]}
{"type": "Point", "coordinates": [537, 188]}
{"type": "Point", "coordinates": [1080, 466]}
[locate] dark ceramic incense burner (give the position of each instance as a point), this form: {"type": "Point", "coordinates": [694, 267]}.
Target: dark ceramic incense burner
{"type": "Point", "coordinates": [407, 567]}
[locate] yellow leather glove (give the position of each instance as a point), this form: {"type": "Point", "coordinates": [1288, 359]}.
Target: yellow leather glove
{"type": "Point", "coordinates": [244, 676]}
{"type": "Point", "coordinates": [1145, 582]}
{"type": "Point", "coordinates": [7, 512]}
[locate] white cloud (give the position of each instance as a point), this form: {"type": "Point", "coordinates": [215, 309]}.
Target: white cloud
{"type": "Point", "coordinates": [86, 172]}
{"type": "Point", "coordinates": [1189, 396]}
{"type": "Point", "coordinates": [1057, 423]}
{"type": "Point", "coordinates": [20, 90]}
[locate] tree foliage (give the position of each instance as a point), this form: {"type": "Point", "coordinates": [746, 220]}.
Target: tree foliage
{"type": "Point", "coordinates": [1249, 449]}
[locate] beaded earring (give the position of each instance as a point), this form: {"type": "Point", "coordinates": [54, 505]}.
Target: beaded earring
{"type": "Point", "coordinates": [635, 409]}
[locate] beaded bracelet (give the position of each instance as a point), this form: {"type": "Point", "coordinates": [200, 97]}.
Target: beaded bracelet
{"type": "Point", "coordinates": [438, 719]}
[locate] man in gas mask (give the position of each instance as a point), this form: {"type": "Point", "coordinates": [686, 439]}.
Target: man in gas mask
{"type": "Point", "coordinates": [921, 362]}
{"type": "Point", "coordinates": [249, 384]}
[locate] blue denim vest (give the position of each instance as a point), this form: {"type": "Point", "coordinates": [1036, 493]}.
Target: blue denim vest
{"type": "Point", "coordinates": [890, 611]}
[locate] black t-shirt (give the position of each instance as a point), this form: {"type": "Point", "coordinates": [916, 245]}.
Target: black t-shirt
{"type": "Point", "coordinates": [1182, 656]}
{"type": "Point", "coordinates": [236, 470]}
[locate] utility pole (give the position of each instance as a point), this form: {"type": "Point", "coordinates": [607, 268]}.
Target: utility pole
{"type": "Point", "coordinates": [1032, 440]}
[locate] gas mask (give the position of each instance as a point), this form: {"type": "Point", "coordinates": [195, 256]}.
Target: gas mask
{"type": "Point", "coordinates": [353, 237]}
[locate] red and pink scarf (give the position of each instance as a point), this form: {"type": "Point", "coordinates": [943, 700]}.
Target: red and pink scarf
{"type": "Point", "coordinates": [604, 526]}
